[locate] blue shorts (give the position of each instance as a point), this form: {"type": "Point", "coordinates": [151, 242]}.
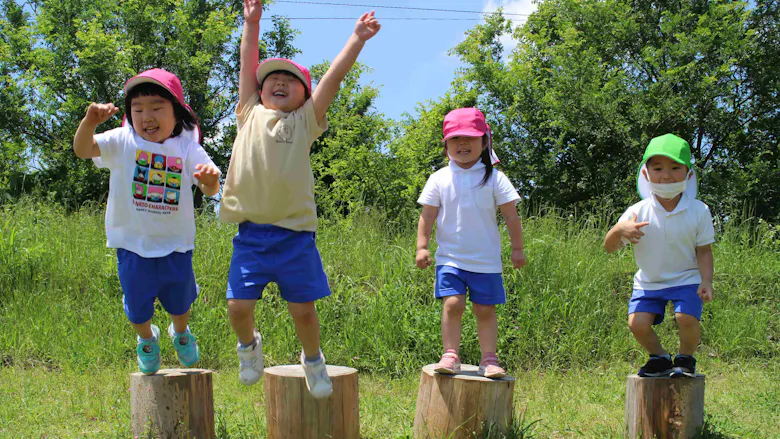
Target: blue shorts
{"type": "Point", "coordinates": [684, 297]}
{"type": "Point", "coordinates": [169, 279]}
{"type": "Point", "coordinates": [484, 288]}
{"type": "Point", "coordinates": [264, 253]}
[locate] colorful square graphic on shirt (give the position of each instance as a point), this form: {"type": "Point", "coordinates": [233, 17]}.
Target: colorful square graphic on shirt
{"type": "Point", "coordinates": [172, 197]}
{"type": "Point", "coordinates": [154, 194]}
{"type": "Point", "coordinates": [157, 178]}
{"type": "Point", "coordinates": [142, 158]}
{"type": "Point", "coordinates": [141, 174]}
{"type": "Point", "coordinates": [158, 162]}
{"type": "Point", "coordinates": [175, 164]}
{"type": "Point", "coordinates": [173, 181]}
{"type": "Point", "coordinates": [139, 191]}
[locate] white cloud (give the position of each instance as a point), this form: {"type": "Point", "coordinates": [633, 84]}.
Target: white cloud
{"type": "Point", "coordinates": [524, 7]}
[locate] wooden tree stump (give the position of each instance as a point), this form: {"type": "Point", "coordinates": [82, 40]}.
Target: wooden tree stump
{"type": "Point", "coordinates": [462, 406]}
{"type": "Point", "coordinates": [664, 408]}
{"type": "Point", "coordinates": [173, 403]}
{"type": "Point", "coordinates": [292, 413]}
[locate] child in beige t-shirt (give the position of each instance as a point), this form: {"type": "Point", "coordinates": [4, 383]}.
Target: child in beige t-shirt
{"type": "Point", "coordinates": [269, 192]}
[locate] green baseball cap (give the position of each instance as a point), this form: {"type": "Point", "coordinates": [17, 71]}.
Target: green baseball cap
{"type": "Point", "coordinates": [674, 147]}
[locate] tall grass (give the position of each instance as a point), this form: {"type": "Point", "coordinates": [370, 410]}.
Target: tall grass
{"type": "Point", "coordinates": [60, 299]}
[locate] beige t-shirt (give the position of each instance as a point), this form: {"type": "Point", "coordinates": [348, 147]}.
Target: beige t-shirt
{"type": "Point", "coordinates": [269, 180]}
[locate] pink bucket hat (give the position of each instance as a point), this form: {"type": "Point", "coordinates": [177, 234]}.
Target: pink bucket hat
{"type": "Point", "coordinates": [469, 122]}
{"type": "Point", "coordinates": [273, 64]}
{"type": "Point", "coordinates": [166, 80]}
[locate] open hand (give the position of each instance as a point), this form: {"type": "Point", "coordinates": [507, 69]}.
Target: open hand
{"type": "Point", "coordinates": [705, 291]}
{"type": "Point", "coordinates": [630, 229]}
{"type": "Point", "coordinates": [253, 10]}
{"type": "Point", "coordinates": [207, 175]}
{"type": "Point", "coordinates": [423, 258]}
{"type": "Point", "coordinates": [99, 113]}
{"type": "Point", "coordinates": [367, 26]}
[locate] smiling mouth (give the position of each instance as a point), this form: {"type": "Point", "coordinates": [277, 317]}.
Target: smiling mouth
{"type": "Point", "coordinates": [151, 130]}
{"type": "Point", "coordinates": [464, 151]}
{"type": "Point", "coordinates": [280, 94]}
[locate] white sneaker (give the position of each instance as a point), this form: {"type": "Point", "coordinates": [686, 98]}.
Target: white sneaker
{"type": "Point", "coordinates": [251, 369]}
{"type": "Point", "coordinates": [317, 379]}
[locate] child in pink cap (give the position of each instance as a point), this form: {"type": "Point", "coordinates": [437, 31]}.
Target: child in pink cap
{"type": "Point", "coordinates": [154, 237]}
{"type": "Point", "coordinates": [462, 199]}
{"type": "Point", "coordinates": [269, 193]}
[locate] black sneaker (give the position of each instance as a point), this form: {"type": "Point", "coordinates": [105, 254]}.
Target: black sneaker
{"type": "Point", "coordinates": [684, 365]}
{"type": "Point", "coordinates": [656, 366]}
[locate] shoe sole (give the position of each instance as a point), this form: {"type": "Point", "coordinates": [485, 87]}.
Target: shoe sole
{"type": "Point", "coordinates": [445, 371]}
{"type": "Point", "coordinates": [656, 374]}
{"type": "Point", "coordinates": [681, 374]}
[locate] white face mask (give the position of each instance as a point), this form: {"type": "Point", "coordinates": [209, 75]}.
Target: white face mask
{"type": "Point", "coordinates": [669, 190]}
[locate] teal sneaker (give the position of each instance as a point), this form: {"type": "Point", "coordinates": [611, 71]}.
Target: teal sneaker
{"type": "Point", "coordinates": [186, 346]}
{"type": "Point", "coordinates": [149, 353]}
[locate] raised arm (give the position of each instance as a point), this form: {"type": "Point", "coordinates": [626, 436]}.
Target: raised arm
{"type": "Point", "coordinates": [84, 144]}
{"type": "Point", "coordinates": [247, 81]}
{"type": "Point", "coordinates": [367, 26]}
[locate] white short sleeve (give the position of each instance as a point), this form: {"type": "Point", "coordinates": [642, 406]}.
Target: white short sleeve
{"type": "Point", "coordinates": [430, 194]}
{"type": "Point", "coordinates": [196, 155]}
{"type": "Point", "coordinates": [504, 192]}
{"type": "Point", "coordinates": [111, 144]}
{"type": "Point", "coordinates": [705, 233]}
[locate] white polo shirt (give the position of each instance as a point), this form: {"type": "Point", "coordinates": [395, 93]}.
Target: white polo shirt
{"type": "Point", "coordinates": [666, 255]}
{"type": "Point", "coordinates": [466, 227]}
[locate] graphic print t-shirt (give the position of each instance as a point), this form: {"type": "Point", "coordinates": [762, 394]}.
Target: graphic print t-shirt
{"type": "Point", "coordinates": [150, 209]}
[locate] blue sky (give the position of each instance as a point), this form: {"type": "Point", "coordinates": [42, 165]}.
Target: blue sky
{"type": "Point", "coordinates": [409, 58]}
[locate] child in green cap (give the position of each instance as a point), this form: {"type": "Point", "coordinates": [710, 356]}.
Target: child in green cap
{"type": "Point", "coordinates": [671, 232]}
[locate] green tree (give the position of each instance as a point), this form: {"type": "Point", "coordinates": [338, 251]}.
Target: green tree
{"type": "Point", "coordinates": [58, 56]}
{"type": "Point", "coordinates": [591, 82]}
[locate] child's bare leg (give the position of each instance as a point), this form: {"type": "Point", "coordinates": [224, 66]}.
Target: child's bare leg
{"type": "Point", "coordinates": [641, 325]}
{"type": "Point", "coordinates": [307, 326]}
{"type": "Point", "coordinates": [144, 330]}
{"type": "Point", "coordinates": [241, 314]}
{"type": "Point", "coordinates": [690, 333]}
{"type": "Point", "coordinates": [452, 321]}
{"type": "Point", "coordinates": [487, 327]}
{"type": "Point", "coordinates": [180, 322]}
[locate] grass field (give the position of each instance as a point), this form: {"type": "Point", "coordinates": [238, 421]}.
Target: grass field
{"type": "Point", "coordinates": [66, 348]}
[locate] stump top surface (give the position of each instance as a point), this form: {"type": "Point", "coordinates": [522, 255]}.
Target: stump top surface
{"type": "Point", "coordinates": [296, 370]}
{"type": "Point", "coordinates": [468, 372]}
{"type": "Point", "coordinates": [637, 377]}
{"type": "Point", "coordinates": [173, 373]}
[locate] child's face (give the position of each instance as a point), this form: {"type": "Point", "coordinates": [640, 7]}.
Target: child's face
{"type": "Point", "coordinates": [282, 91]}
{"type": "Point", "coordinates": [662, 169]}
{"type": "Point", "coordinates": [153, 118]}
{"type": "Point", "coordinates": [465, 150]}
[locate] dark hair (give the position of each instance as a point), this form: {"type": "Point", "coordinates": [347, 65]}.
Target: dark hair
{"type": "Point", "coordinates": [184, 119]}
{"type": "Point", "coordinates": [484, 157]}
{"type": "Point", "coordinates": [306, 92]}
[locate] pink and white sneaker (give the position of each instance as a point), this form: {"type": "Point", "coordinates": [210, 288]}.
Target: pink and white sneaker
{"type": "Point", "coordinates": [449, 364]}
{"type": "Point", "coordinates": [489, 367]}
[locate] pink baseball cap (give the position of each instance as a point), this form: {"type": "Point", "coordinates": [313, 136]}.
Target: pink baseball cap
{"type": "Point", "coordinates": [273, 64]}
{"type": "Point", "coordinates": [166, 80]}
{"type": "Point", "coordinates": [468, 122]}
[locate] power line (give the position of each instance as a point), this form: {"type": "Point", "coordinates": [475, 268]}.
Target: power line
{"type": "Point", "coordinates": [391, 18]}
{"type": "Point", "coordinates": [406, 8]}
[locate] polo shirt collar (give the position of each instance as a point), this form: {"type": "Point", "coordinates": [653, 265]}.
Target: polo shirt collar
{"type": "Point", "coordinates": [455, 168]}
{"type": "Point", "coordinates": [684, 203]}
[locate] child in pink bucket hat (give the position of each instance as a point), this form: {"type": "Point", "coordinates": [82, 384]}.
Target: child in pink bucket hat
{"type": "Point", "coordinates": [461, 199]}
{"type": "Point", "coordinates": [269, 193]}
{"type": "Point", "coordinates": [155, 152]}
